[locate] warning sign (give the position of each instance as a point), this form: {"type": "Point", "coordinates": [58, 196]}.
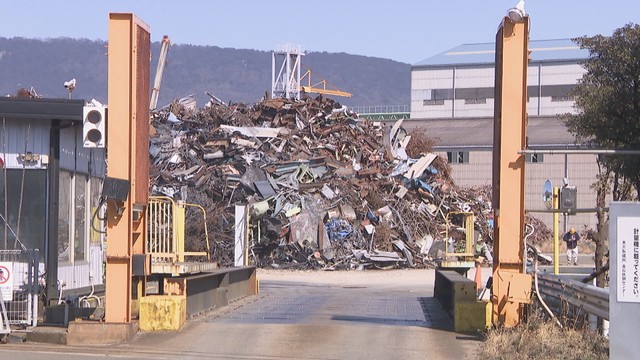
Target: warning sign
{"type": "Point", "coordinates": [6, 280]}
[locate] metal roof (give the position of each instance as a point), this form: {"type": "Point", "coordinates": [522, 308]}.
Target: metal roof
{"type": "Point", "coordinates": [484, 53]}
{"type": "Point", "coordinates": [41, 109]}
{"type": "Point", "coordinates": [545, 131]}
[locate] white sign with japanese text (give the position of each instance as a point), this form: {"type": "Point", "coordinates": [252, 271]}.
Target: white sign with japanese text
{"type": "Point", "coordinates": [628, 259]}
{"type": "Point", "coordinates": [6, 280]}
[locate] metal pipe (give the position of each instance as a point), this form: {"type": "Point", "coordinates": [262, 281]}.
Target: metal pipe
{"type": "Point", "coordinates": [539, 88]}
{"type": "Point", "coordinates": [551, 211]}
{"type": "Point", "coordinates": [565, 217]}
{"type": "Point", "coordinates": [580, 151]}
{"type": "Point", "coordinates": [453, 93]}
{"type": "Point", "coordinates": [556, 240]}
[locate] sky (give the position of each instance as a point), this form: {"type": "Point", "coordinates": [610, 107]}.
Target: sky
{"type": "Point", "coordinates": [401, 30]}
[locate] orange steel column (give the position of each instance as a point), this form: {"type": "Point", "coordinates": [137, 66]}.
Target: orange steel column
{"type": "Point", "coordinates": [511, 287]}
{"type": "Point", "coordinates": [127, 153]}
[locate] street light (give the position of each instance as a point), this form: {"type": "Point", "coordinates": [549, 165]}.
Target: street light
{"type": "Point", "coordinates": [515, 14]}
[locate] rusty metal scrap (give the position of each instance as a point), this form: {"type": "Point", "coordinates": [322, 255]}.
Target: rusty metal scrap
{"type": "Point", "coordinates": [326, 189]}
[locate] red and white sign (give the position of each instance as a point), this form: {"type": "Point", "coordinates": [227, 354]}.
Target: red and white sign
{"type": "Point", "coordinates": [6, 280]}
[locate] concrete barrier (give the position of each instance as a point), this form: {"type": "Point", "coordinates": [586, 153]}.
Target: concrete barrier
{"type": "Point", "coordinates": [163, 312]}
{"type": "Point", "coordinates": [457, 296]}
{"type": "Point", "coordinates": [210, 290]}
{"type": "Point", "coordinates": [470, 316]}
{"type": "Point", "coordinates": [451, 287]}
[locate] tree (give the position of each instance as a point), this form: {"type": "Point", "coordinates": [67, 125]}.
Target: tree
{"type": "Point", "coordinates": [608, 103]}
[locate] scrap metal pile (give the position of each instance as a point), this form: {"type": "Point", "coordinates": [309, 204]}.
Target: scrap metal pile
{"type": "Point", "coordinates": [322, 188]}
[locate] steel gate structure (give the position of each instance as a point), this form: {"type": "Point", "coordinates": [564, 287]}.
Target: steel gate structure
{"type": "Point", "coordinates": [19, 272]}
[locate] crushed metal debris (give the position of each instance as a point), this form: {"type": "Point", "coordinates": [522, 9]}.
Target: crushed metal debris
{"type": "Point", "coordinates": [323, 188]}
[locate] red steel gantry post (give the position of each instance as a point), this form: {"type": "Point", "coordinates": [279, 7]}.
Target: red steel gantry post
{"type": "Point", "coordinates": [511, 286]}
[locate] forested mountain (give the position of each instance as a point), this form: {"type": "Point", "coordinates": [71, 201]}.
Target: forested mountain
{"type": "Point", "coordinates": [230, 74]}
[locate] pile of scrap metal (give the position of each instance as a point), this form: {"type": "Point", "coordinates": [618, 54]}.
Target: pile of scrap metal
{"type": "Point", "coordinates": [322, 188]}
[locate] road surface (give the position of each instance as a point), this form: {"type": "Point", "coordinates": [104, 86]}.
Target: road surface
{"type": "Point", "coordinates": [301, 315]}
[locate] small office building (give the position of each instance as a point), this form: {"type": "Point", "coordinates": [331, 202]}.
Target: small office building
{"type": "Point", "coordinates": [50, 188]}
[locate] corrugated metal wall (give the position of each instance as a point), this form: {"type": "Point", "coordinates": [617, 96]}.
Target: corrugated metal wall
{"type": "Point", "coordinates": [84, 273]}
{"type": "Point", "coordinates": [76, 158]}
{"type": "Point", "coordinates": [22, 136]}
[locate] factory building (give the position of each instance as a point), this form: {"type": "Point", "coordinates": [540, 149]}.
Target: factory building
{"type": "Point", "coordinates": [452, 97]}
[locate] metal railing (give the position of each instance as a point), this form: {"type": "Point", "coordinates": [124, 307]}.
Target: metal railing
{"type": "Point", "coordinates": [19, 286]}
{"type": "Point", "coordinates": [378, 109]}
{"type": "Point", "coordinates": [166, 230]}
{"type": "Point", "coordinates": [593, 300]}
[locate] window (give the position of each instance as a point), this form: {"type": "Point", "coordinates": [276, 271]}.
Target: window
{"type": "Point", "coordinates": [74, 216]}
{"type": "Point", "coordinates": [475, 101]}
{"type": "Point", "coordinates": [79, 225]}
{"type": "Point", "coordinates": [64, 217]}
{"type": "Point", "coordinates": [95, 238]}
{"type": "Point", "coordinates": [561, 98]}
{"type": "Point", "coordinates": [534, 158]}
{"type": "Point", "coordinates": [432, 102]}
{"type": "Point", "coordinates": [458, 157]}
{"type": "Point", "coordinates": [24, 208]}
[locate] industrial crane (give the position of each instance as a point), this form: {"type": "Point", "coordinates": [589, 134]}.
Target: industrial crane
{"type": "Point", "coordinates": [315, 88]}
{"type": "Point", "coordinates": [162, 61]}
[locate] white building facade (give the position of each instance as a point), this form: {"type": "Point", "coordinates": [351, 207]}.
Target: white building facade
{"type": "Point", "coordinates": [452, 97]}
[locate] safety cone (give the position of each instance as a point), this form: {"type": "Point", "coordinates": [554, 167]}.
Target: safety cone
{"type": "Point", "coordinates": [478, 277]}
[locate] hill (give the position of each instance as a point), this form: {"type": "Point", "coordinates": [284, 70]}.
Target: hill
{"type": "Point", "coordinates": [235, 75]}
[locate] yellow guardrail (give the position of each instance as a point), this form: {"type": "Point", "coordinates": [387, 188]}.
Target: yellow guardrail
{"type": "Point", "coordinates": [166, 230]}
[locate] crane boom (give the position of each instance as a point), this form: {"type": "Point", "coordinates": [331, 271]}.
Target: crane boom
{"type": "Point", "coordinates": [309, 88]}
{"type": "Point", "coordinates": [162, 61]}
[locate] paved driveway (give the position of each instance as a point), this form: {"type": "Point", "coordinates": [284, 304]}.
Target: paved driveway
{"type": "Point", "coordinates": [305, 315]}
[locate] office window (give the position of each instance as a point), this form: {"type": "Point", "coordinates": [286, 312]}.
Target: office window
{"type": "Point", "coordinates": [475, 101]}
{"type": "Point", "coordinates": [458, 157]}
{"type": "Point", "coordinates": [25, 205]}
{"type": "Point", "coordinates": [64, 217]}
{"type": "Point", "coordinates": [95, 237]}
{"type": "Point", "coordinates": [432, 102]}
{"type": "Point", "coordinates": [561, 98]}
{"type": "Point", "coordinates": [73, 217]}
{"type": "Point", "coordinates": [80, 209]}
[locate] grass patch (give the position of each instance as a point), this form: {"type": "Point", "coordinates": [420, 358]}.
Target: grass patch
{"type": "Point", "coordinates": [541, 338]}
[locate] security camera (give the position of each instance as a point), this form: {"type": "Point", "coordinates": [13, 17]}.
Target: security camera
{"type": "Point", "coordinates": [565, 182]}
{"type": "Point", "coordinates": [517, 13]}
{"type": "Point", "coordinates": [70, 85]}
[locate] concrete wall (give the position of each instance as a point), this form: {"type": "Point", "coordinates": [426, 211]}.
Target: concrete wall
{"type": "Point", "coordinates": [581, 171]}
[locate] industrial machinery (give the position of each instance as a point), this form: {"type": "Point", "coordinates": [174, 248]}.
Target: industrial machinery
{"type": "Point", "coordinates": [162, 62]}
{"type": "Point", "coordinates": [320, 87]}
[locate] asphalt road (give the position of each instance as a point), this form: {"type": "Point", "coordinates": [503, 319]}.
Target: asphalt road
{"type": "Point", "coordinates": [301, 315]}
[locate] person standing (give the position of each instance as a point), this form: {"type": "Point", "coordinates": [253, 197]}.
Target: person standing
{"type": "Point", "coordinates": [572, 238]}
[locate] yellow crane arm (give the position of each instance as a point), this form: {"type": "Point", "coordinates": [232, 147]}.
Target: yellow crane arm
{"type": "Point", "coordinates": [315, 88]}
